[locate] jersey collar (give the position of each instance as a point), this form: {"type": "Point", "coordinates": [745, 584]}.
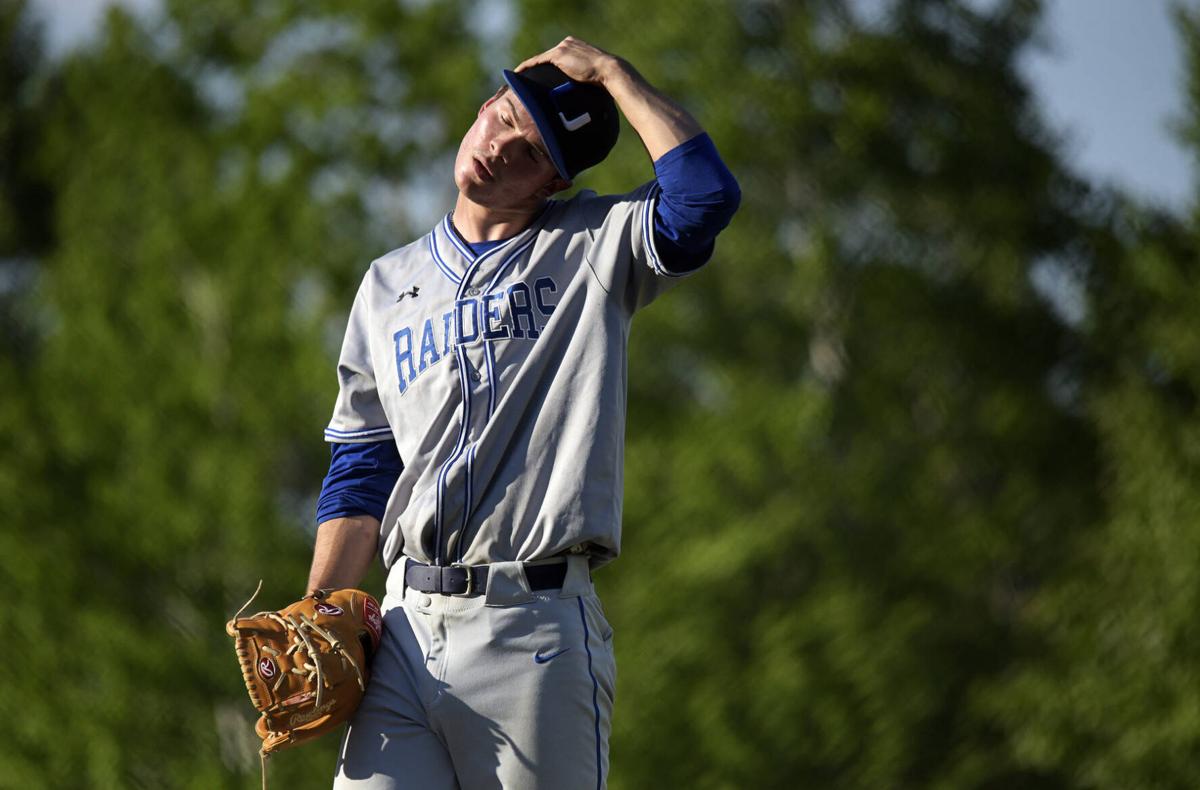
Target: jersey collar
{"type": "Point", "coordinates": [454, 257]}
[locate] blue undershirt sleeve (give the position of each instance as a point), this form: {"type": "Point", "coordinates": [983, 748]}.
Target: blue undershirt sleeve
{"type": "Point", "coordinates": [698, 199]}
{"type": "Point", "coordinates": [360, 479]}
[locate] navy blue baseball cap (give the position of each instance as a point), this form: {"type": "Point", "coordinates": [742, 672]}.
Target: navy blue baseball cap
{"type": "Point", "coordinates": [577, 120]}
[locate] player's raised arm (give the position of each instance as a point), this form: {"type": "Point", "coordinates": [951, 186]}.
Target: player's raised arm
{"type": "Point", "coordinates": [659, 122]}
{"type": "Point", "coordinates": [699, 195]}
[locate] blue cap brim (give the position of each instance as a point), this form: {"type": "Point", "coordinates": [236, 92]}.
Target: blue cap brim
{"type": "Point", "coordinates": [527, 92]}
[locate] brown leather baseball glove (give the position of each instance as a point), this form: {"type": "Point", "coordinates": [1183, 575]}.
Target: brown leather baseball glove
{"type": "Point", "coordinates": [306, 666]}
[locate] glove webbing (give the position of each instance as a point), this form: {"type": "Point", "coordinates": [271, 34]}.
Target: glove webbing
{"type": "Point", "coordinates": [301, 640]}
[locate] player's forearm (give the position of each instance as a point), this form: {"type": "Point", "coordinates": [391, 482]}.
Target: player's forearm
{"type": "Point", "coordinates": [658, 120]}
{"type": "Point", "coordinates": [343, 553]}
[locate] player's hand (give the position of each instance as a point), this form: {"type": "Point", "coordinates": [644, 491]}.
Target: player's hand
{"type": "Point", "coordinates": [577, 59]}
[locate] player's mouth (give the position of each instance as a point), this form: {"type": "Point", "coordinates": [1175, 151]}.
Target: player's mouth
{"type": "Point", "coordinates": [482, 172]}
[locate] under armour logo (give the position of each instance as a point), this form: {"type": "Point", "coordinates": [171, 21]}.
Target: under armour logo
{"type": "Point", "coordinates": [576, 122]}
{"type": "Point", "coordinates": [413, 292]}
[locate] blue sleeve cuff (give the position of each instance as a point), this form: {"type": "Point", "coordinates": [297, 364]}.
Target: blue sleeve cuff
{"type": "Point", "coordinates": [360, 480]}
{"type": "Point", "coordinates": [698, 199]}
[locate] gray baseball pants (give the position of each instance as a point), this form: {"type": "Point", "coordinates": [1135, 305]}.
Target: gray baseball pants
{"type": "Point", "coordinates": [512, 689]}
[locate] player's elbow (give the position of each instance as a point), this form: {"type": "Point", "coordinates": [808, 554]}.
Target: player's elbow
{"type": "Point", "coordinates": [729, 199]}
{"type": "Point", "coordinates": [710, 212]}
{"type": "Point", "coordinates": [731, 191]}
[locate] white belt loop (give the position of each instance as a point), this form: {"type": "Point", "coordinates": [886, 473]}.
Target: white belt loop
{"type": "Point", "coordinates": [579, 577]}
{"type": "Point", "coordinates": [507, 585]}
{"type": "Point", "coordinates": [396, 584]}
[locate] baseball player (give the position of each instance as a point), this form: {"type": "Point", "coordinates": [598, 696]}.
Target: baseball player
{"type": "Point", "coordinates": [478, 435]}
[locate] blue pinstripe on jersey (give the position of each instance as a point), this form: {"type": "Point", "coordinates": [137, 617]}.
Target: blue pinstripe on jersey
{"type": "Point", "coordinates": [474, 264]}
{"type": "Point", "coordinates": [385, 430]}
{"type": "Point", "coordinates": [441, 264]}
{"type": "Point", "coordinates": [649, 237]}
{"type": "Point", "coordinates": [489, 355]}
{"type": "Point", "coordinates": [463, 247]}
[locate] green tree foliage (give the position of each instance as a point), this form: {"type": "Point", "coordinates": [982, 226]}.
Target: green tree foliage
{"type": "Point", "coordinates": [24, 220]}
{"type": "Point", "coordinates": [211, 179]}
{"type": "Point", "coordinates": [1114, 693]}
{"type": "Point", "coordinates": [911, 467]}
{"type": "Point", "coordinates": [863, 467]}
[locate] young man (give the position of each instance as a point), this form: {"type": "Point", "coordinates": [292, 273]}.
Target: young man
{"type": "Point", "coordinates": [478, 435]}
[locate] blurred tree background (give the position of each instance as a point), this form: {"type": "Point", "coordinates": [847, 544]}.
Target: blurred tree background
{"type": "Point", "coordinates": [913, 471]}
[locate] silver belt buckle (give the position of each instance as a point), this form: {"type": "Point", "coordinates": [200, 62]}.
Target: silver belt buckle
{"type": "Point", "coordinates": [470, 580]}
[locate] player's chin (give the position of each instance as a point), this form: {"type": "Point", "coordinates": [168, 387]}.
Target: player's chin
{"type": "Point", "coordinates": [467, 180]}
{"type": "Point", "coordinates": [481, 194]}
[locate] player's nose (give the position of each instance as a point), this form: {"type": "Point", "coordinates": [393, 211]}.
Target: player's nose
{"type": "Point", "coordinates": [495, 150]}
{"type": "Point", "coordinates": [503, 146]}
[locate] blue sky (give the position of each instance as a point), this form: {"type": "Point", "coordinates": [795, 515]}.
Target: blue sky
{"type": "Point", "coordinates": [1111, 80]}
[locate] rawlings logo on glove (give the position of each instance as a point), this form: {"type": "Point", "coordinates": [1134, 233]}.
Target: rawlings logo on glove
{"type": "Point", "coordinates": [306, 666]}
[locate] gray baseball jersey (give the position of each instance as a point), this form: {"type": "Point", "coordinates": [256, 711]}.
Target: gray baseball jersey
{"type": "Point", "coordinates": [502, 379]}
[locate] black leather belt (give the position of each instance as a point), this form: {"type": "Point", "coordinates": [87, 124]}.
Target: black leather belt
{"type": "Point", "coordinates": [472, 580]}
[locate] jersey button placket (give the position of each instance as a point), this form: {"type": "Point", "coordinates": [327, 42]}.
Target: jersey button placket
{"type": "Point", "coordinates": [476, 390]}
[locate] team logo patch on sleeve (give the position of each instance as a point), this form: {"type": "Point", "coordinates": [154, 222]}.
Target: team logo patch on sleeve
{"type": "Point", "coordinates": [267, 668]}
{"type": "Point", "coordinates": [329, 609]}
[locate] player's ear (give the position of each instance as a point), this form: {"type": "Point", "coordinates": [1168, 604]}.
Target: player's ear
{"type": "Point", "coordinates": [554, 186]}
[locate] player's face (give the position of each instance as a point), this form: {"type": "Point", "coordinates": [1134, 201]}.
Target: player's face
{"type": "Point", "coordinates": [502, 162]}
